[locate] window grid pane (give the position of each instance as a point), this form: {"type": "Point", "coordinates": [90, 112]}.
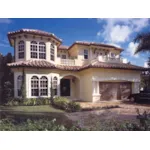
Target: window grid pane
{"type": "Point", "coordinates": [21, 49]}
{"type": "Point", "coordinates": [52, 52]}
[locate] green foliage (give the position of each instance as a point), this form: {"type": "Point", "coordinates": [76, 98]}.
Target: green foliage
{"type": "Point", "coordinates": [23, 86]}
{"type": "Point", "coordinates": [61, 103]}
{"type": "Point", "coordinates": [65, 104]}
{"type": "Point", "coordinates": [8, 91]}
{"type": "Point", "coordinates": [28, 102]}
{"type": "Point", "coordinates": [73, 107]}
{"type": "Point", "coordinates": [7, 80]}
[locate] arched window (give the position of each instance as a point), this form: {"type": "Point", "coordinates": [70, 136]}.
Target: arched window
{"type": "Point", "coordinates": [19, 84]}
{"type": "Point", "coordinates": [43, 86]}
{"type": "Point", "coordinates": [34, 86]}
{"type": "Point", "coordinates": [55, 85]}
{"type": "Point", "coordinates": [34, 50]}
{"type": "Point", "coordinates": [42, 50]}
{"type": "Point", "coordinates": [52, 52]}
{"type": "Point", "coordinates": [21, 49]}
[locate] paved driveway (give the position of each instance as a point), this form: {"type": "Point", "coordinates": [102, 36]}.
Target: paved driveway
{"type": "Point", "coordinates": [125, 112]}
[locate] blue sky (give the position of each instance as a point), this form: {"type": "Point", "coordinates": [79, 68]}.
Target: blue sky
{"type": "Point", "coordinates": [119, 32]}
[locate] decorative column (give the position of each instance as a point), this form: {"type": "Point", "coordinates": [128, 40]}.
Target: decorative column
{"type": "Point", "coordinates": [58, 86]}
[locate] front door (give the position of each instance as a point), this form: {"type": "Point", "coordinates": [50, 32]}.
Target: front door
{"type": "Point", "coordinates": [65, 87]}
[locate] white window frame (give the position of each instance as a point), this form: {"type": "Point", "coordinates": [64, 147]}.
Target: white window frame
{"type": "Point", "coordinates": [37, 48]}
{"type": "Point", "coordinates": [86, 54]}
{"type": "Point", "coordinates": [52, 52]}
{"type": "Point", "coordinates": [19, 84]}
{"type": "Point", "coordinates": [35, 87]}
{"type": "Point", "coordinates": [21, 49]}
{"type": "Point", "coordinates": [45, 87]}
{"type": "Point", "coordinates": [42, 50]}
{"type": "Point", "coordinates": [55, 83]}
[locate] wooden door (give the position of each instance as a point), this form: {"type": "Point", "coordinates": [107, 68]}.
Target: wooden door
{"type": "Point", "coordinates": [65, 87]}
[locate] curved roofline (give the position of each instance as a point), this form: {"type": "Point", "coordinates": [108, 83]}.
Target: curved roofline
{"type": "Point", "coordinates": [95, 44]}
{"type": "Point", "coordinates": [33, 32]}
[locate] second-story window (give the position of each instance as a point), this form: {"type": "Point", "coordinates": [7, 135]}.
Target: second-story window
{"type": "Point", "coordinates": [52, 52]}
{"type": "Point", "coordinates": [85, 54]}
{"type": "Point", "coordinates": [63, 56]}
{"type": "Point", "coordinates": [34, 49]}
{"type": "Point", "coordinates": [21, 49]}
{"type": "Point", "coordinates": [42, 50]}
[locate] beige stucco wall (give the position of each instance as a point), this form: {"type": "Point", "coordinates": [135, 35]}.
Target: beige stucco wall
{"type": "Point", "coordinates": [86, 85]}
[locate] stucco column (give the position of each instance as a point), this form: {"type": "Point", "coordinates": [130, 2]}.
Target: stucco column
{"type": "Point", "coordinates": [58, 87]}
{"type": "Point", "coordinates": [48, 51]}
{"type": "Point", "coordinates": [91, 55]}
{"type": "Point", "coordinates": [15, 85]}
{"type": "Point", "coordinates": [27, 50]}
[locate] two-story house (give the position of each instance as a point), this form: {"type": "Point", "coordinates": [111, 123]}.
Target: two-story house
{"type": "Point", "coordinates": [85, 71]}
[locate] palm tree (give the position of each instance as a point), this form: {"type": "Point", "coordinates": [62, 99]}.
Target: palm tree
{"type": "Point", "coordinates": [144, 46]}
{"type": "Point", "coordinates": [144, 42]}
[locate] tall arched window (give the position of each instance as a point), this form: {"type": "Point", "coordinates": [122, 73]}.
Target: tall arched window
{"type": "Point", "coordinates": [55, 85]}
{"type": "Point", "coordinates": [19, 84]}
{"type": "Point", "coordinates": [42, 50]}
{"type": "Point", "coordinates": [34, 86]}
{"type": "Point", "coordinates": [52, 52]}
{"type": "Point", "coordinates": [21, 49]}
{"type": "Point", "coordinates": [34, 49]}
{"type": "Point", "coordinates": [43, 86]}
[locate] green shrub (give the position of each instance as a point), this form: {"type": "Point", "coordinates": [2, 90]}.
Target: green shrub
{"type": "Point", "coordinates": [61, 103]}
{"type": "Point", "coordinates": [65, 104]}
{"type": "Point", "coordinates": [29, 102]}
{"type": "Point", "coordinates": [73, 107]}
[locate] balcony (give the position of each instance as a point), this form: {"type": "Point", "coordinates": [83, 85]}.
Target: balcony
{"type": "Point", "coordinates": [68, 62]}
{"type": "Point", "coordinates": [112, 59]}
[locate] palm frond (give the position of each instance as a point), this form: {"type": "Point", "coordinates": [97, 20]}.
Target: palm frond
{"type": "Point", "coordinates": [144, 42]}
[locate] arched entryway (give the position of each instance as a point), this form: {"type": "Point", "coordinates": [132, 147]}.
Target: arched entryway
{"type": "Point", "coordinates": [70, 87]}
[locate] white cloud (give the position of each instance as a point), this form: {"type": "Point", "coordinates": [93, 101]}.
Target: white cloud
{"type": "Point", "coordinates": [131, 49]}
{"type": "Point", "coordinates": [138, 24]}
{"type": "Point", "coordinates": [118, 30]}
{"type": "Point", "coordinates": [5, 20]}
{"type": "Point", "coordinates": [119, 33]}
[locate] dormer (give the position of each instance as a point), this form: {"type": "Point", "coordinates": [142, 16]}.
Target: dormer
{"type": "Point", "coordinates": [32, 44]}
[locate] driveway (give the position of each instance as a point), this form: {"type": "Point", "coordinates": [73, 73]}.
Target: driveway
{"type": "Point", "coordinates": [125, 112]}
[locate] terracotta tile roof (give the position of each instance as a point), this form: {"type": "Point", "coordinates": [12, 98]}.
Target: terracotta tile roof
{"type": "Point", "coordinates": [99, 64]}
{"type": "Point", "coordinates": [63, 47]}
{"type": "Point", "coordinates": [96, 44]}
{"type": "Point", "coordinates": [36, 32]}
{"type": "Point", "coordinates": [46, 64]}
{"type": "Point", "coordinates": [32, 63]}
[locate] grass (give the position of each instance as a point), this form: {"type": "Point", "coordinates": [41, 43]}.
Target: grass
{"type": "Point", "coordinates": [22, 113]}
{"type": "Point", "coordinates": [31, 109]}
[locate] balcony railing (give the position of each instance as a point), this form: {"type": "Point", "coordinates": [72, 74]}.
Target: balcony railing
{"type": "Point", "coordinates": [68, 62]}
{"type": "Point", "coordinates": [112, 60]}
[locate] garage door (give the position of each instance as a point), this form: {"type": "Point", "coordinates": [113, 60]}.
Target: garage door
{"type": "Point", "coordinates": [115, 90]}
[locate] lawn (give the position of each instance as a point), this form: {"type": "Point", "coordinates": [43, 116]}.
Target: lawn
{"type": "Point", "coordinates": [22, 113]}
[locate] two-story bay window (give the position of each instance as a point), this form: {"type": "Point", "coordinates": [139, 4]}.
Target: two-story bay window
{"type": "Point", "coordinates": [34, 49]}
{"type": "Point", "coordinates": [21, 49]}
{"type": "Point", "coordinates": [52, 52]}
{"type": "Point", "coordinates": [43, 86]}
{"type": "Point", "coordinates": [19, 84]}
{"type": "Point", "coordinates": [42, 50]}
{"type": "Point", "coordinates": [85, 54]}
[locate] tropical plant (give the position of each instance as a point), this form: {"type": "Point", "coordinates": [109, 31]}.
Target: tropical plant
{"type": "Point", "coordinates": [143, 40]}
{"type": "Point", "coordinates": [23, 87]}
